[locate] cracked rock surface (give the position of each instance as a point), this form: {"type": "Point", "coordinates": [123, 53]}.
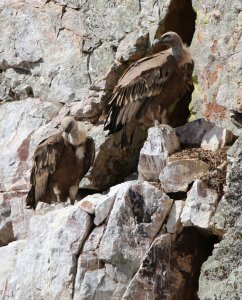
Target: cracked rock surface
{"type": "Point", "coordinates": [126, 239]}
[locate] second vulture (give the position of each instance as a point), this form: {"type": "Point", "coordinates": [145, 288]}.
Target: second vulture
{"type": "Point", "coordinates": [150, 89]}
{"type": "Point", "coordinates": [59, 164]}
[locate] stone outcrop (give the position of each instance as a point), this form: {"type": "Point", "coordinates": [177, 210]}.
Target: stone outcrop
{"type": "Point", "coordinates": [216, 46]}
{"type": "Point", "coordinates": [221, 273]}
{"type": "Point", "coordinates": [179, 174]}
{"type": "Point", "coordinates": [200, 206]}
{"type": "Point", "coordinates": [205, 134]}
{"type": "Point", "coordinates": [160, 143]}
{"type": "Point", "coordinates": [105, 267]}
{"type": "Point", "coordinates": [46, 265]}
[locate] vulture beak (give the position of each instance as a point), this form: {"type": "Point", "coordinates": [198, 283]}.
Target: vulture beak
{"type": "Point", "coordinates": [159, 42]}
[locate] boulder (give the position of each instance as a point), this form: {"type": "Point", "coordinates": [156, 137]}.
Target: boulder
{"type": "Point", "coordinates": [205, 134]}
{"type": "Point", "coordinates": [179, 174]}
{"type": "Point", "coordinates": [105, 268]}
{"type": "Point", "coordinates": [8, 258]}
{"type": "Point", "coordinates": [200, 206]}
{"type": "Point", "coordinates": [192, 133]}
{"type": "Point", "coordinates": [173, 224]}
{"type": "Point", "coordinates": [161, 142]}
{"type": "Point", "coordinates": [217, 138]}
{"type": "Point", "coordinates": [46, 266]}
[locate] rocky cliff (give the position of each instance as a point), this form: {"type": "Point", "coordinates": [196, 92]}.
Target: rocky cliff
{"type": "Point", "coordinates": [160, 220]}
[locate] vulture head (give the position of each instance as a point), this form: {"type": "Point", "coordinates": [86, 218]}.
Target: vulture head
{"type": "Point", "coordinates": [72, 131]}
{"type": "Point", "coordinates": [171, 39]}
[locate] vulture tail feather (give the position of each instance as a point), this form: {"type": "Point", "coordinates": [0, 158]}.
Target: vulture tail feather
{"type": "Point", "coordinates": [124, 138]}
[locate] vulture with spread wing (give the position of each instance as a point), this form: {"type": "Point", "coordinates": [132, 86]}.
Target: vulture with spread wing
{"type": "Point", "coordinates": [150, 89]}
{"type": "Point", "coordinates": [60, 163]}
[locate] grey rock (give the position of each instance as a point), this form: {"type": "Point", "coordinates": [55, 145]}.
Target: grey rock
{"type": "Point", "coordinates": [169, 268]}
{"type": "Point", "coordinates": [205, 134]}
{"type": "Point", "coordinates": [221, 274]}
{"type": "Point", "coordinates": [173, 224]}
{"type": "Point", "coordinates": [8, 258]}
{"type": "Point", "coordinates": [89, 203]}
{"type": "Point", "coordinates": [112, 163]}
{"type": "Point", "coordinates": [6, 226]}
{"type": "Point", "coordinates": [161, 142]}
{"type": "Point", "coordinates": [178, 174]}
{"type": "Point", "coordinates": [216, 48]}
{"type": "Point", "coordinates": [46, 266]}
{"type": "Point", "coordinates": [217, 138]}
{"type": "Point", "coordinates": [135, 219]}
{"type": "Point", "coordinates": [105, 268]}
{"type": "Point", "coordinates": [20, 215]}
{"type": "Point", "coordinates": [146, 285]}
{"type": "Point", "coordinates": [200, 206]}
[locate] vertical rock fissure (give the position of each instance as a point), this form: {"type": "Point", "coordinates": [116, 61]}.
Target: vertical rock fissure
{"type": "Point", "coordinates": [76, 258]}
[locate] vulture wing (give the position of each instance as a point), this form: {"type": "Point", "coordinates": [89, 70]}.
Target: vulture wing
{"type": "Point", "coordinates": [89, 156]}
{"type": "Point", "coordinates": [46, 158]}
{"type": "Point", "coordinates": [144, 79]}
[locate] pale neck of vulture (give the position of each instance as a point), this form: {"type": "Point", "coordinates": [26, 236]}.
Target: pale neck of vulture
{"type": "Point", "coordinates": [78, 135]}
{"type": "Point", "coordinates": [177, 50]}
{"type": "Point", "coordinates": [181, 53]}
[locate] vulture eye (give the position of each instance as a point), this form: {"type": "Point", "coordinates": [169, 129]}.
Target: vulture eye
{"type": "Point", "coordinates": [167, 37]}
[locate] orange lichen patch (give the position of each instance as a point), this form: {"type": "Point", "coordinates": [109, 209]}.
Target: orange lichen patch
{"type": "Point", "coordinates": [214, 111]}
{"type": "Point", "coordinates": [214, 47]}
{"type": "Point", "coordinates": [213, 76]}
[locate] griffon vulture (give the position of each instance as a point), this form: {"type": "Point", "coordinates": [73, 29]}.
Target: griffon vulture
{"type": "Point", "coordinates": [150, 89]}
{"type": "Point", "coordinates": [59, 164]}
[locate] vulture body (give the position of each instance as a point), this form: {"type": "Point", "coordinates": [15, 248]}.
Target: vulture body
{"type": "Point", "coordinates": [150, 89]}
{"type": "Point", "coordinates": [60, 163]}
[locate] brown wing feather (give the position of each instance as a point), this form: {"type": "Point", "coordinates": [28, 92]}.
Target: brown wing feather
{"type": "Point", "coordinates": [143, 79]}
{"type": "Point", "coordinates": [46, 158]}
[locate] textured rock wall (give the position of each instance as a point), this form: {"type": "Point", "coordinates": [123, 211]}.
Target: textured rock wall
{"type": "Point", "coordinates": [60, 57]}
{"type": "Point", "coordinates": [217, 47]}
{"type": "Point", "coordinates": [135, 242]}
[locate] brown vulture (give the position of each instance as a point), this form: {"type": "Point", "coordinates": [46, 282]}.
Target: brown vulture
{"type": "Point", "coordinates": [150, 89]}
{"type": "Point", "coordinates": [59, 164]}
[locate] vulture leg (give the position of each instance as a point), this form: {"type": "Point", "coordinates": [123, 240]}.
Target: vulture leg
{"type": "Point", "coordinates": [72, 193]}
{"type": "Point", "coordinates": [60, 196]}
{"type": "Point", "coordinates": [164, 117]}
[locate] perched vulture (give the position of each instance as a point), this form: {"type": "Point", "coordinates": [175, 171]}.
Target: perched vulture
{"type": "Point", "coordinates": [59, 164]}
{"type": "Point", "coordinates": [150, 89]}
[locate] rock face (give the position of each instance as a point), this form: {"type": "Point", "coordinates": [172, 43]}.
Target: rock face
{"type": "Point", "coordinates": [217, 47]}
{"type": "Point", "coordinates": [200, 206]}
{"type": "Point", "coordinates": [221, 273]}
{"type": "Point", "coordinates": [161, 142]}
{"type": "Point", "coordinates": [105, 266]}
{"type": "Point", "coordinates": [178, 174]}
{"type": "Point", "coordinates": [205, 134]}
{"type": "Point", "coordinates": [130, 242]}
{"type": "Point", "coordinates": [46, 265]}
